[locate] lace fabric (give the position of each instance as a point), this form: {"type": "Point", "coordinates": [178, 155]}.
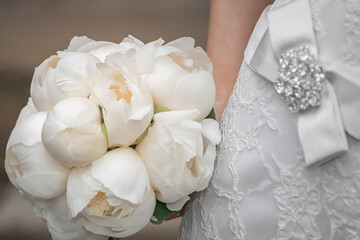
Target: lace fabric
{"type": "Point", "coordinates": [261, 188]}
{"type": "Point", "coordinates": [351, 51]}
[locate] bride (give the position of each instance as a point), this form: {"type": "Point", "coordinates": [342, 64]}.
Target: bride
{"type": "Point", "coordinates": [288, 166]}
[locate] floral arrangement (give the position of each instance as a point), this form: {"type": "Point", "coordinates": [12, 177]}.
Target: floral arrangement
{"type": "Point", "coordinates": [115, 135]}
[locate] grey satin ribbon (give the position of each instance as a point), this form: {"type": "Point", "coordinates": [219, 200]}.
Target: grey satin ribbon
{"type": "Point", "coordinates": [321, 129]}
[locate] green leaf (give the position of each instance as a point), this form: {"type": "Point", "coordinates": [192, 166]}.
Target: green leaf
{"type": "Point", "coordinates": [212, 114]}
{"type": "Point", "coordinates": [158, 109]}
{"type": "Point", "coordinates": [161, 212]}
{"type": "Point", "coordinates": [110, 148]}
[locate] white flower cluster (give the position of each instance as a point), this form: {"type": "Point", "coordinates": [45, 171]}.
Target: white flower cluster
{"type": "Point", "coordinates": [92, 151]}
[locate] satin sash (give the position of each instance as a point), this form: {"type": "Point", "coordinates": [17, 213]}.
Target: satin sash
{"type": "Point", "coordinates": [321, 129]}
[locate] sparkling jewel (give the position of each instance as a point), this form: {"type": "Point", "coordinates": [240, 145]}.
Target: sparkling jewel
{"type": "Point", "coordinates": [279, 86]}
{"type": "Point", "coordinates": [299, 93]}
{"type": "Point", "coordinates": [300, 79]}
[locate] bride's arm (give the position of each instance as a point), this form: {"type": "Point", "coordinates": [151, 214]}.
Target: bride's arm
{"type": "Point", "coordinates": [230, 26]}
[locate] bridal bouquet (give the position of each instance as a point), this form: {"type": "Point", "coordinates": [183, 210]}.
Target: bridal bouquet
{"type": "Point", "coordinates": [114, 135]}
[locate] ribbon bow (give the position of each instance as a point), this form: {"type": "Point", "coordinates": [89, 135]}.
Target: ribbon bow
{"type": "Point", "coordinates": [321, 129]}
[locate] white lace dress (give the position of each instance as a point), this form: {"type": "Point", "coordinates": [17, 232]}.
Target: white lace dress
{"type": "Point", "coordinates": [262, 188]}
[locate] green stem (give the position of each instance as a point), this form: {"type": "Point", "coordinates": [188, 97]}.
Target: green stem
{"type": "Point", "coordinates": [158, 109]}
{"type": "Point", "coordinates": [103, 127]}
{"type": "Point", "coordinates": [105, 132]}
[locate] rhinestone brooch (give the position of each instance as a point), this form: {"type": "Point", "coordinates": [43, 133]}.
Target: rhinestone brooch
{"type": "Point", "coordinates": [300, 79]}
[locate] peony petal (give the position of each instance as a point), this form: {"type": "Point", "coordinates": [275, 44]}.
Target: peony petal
{"type": "Point", "coordinates": [171, 116]}
{"type": "Point", "coordinates": [182, 79]}
{"type": "Point", "coordinates": [77, 42]}
{"type": "Point", "coordinates": [27, 111]}
{"type": "Point", "coordinates": [78, 194]}
{"type": "Point", "coordinates": [145, 56]}
{"type": "Point", "coordinates": [39, 174]}
{"type": "Point", "coordinates": [200, 95]}
{"type": "Point", "coordinates": [60, 77]}
{"type": "Point", "coordinates": [129, 225]}
{"type": "Point", "coordinates": [124, 60]}
{"type": "Point", "coordinates": [133, 39]}
{"type": "Point", "coordinates": [182, 43]}
{"type": "Point", "coordinates": [165, 158]}
{"type": "Point", "coordinates": [71, 74]}
{"type": "Point", "coordinates": [38, 87]}
{"type": "Point", "coordinates": [112, 168]}
{"type": "Point", "coordinates": [177, 206]}
{"type": "Point", "coordinates": [163, 81]}
{"type": "Point", "coordinates": [200, 59]}
{"type": "Point", "coordinates": [125, 121]}
{"type": "Point", "coordinates": [12, 167]}
{"type": "Point", "coordinates": [209, 160]}
{"type": "Point", "coordinates": [142, 113]}
{"type": "Point", "coordinates": [78, 113]}
{"type": "Point", "coordinates": [92, 46]}
{"type": "Point", "coordinates": [28, 132]}
{"type": "Point", "coordinates": [28, 164]}
{"type": "Point", "coordinates": [184, 127]}
{"type": "Point", "coordinates": [54, 213]}
{"type": "Point", "coordinates": [156, 150]}
{"type": "Point", "coordinates": [121, 175]}
{"type": "Point", "coordinates": [121, 130]}
{"type": "Point", "coordinates": [178, 157]}
{"type": "Point", "coordinates": [210, 130]}
{"type": "Point", "coordinates": [72, 133]}
{"type": "Point", "coordinates": [44, 185]}
{"type": "Point", "coordinates": [35, 159]}
{"type": "Point", "coordinates": [102, 52]}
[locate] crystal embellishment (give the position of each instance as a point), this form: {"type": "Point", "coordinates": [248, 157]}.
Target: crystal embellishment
{"type": "Point", "coordinates": [300, 79]}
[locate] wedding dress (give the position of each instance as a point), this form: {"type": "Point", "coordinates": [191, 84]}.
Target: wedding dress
{"type": "Point", "coordinates": [279, 174]}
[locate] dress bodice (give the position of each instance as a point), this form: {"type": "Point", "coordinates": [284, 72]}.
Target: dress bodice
{"type": "Point", "coordinates": [261, 188]}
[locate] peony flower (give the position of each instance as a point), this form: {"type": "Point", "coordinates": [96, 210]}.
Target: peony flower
{"type": "Point", "coordinates": [28, 165]}
{"type": "Point", "coordinates": [179, 154]}
{"type": "Point", "coordinates": [72, 132]}
{"type": "Point", "coordinates": [27, 111]}
{"type": "Point", "coordinates": [128, 44]}
{"type": "Point", "coordinates": [55, 214]}
{"type": "Point", "coordinates": [132, 53]}
{"type": "Point", "coordinates": [101, 49]}
{"type": "Point", "coordinates": [61, 76]}
{"type": "Point", "coordinates": [182, 78]}
{"type": "Point", "coordinates": [113, 194]}
{"type": "Point", "coordinates": [126, 102]}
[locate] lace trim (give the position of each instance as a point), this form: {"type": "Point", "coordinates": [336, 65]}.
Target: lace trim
{"type": "Point", "coordinates": [351, 51]}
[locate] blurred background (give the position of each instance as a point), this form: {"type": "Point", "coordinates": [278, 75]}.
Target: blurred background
{"type": "Point", "coordinates": [33, 30]}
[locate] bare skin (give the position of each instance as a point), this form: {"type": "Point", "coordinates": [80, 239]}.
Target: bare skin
{"type": "Point", "coordinates": [230, 26]}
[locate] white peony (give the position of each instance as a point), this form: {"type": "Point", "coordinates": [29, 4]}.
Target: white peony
{"type": "Point", "coordinates": [28, 164]}
{"type": "Point", "coordinates": [61, 76]}
{"type": "Point", "coordinates": [66, 74]}
{"type": "Point", "coordinates": [182, 78]}
{"type": "Point", "coordinates": [179, 154]}
{"type": "Point", "coordinates": [101, 49]}
{"type": "Point", "coordinates": [133, 53]}
{"type": "Point", "coordinates": [27, 111]}
{"type": "Point", "coordinates": [72, 132]}
{"type": "Point", "coordinates": [55, 214]}
{"type": "Point", "coordinates": [113, 194]}
{"type": "Point", "coordinates": [126, 102]}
